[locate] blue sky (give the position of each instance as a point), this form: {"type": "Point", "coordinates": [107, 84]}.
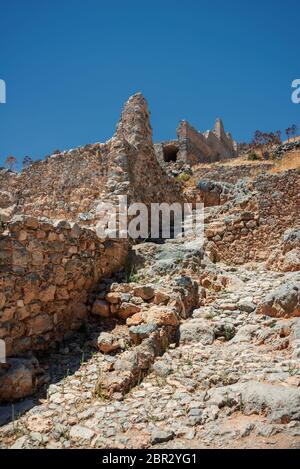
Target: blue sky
{"type": "Point", "coordinates": [69, 65]}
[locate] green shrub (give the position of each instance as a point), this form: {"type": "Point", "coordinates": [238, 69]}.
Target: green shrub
{"type": "Point", "coordinates": [253, 157]}
{"type": "Point", "coordinates": [183, 177]}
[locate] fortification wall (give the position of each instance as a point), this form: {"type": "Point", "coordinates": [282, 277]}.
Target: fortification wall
{"type": "Point", "coordinates": [62, 186]}
{"type": "Point", "coordinates": [233, 174]}
{"type": "Point", "coordinates": [253, 230]}
{"type": "Point", "coordinates": [49, 267]}
{"type": "Point", "coordinates": [193, 148]}
{"type": "Point", "coordinates": [47, 271]}
{"type": "Point", "coordinates": [222, 148]}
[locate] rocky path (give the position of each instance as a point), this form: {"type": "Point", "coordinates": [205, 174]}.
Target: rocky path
{"type": "Point", "coordinates": [231, 381]}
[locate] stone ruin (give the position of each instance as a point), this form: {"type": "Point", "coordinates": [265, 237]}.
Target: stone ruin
{"type": "Point", "coordinates": [197, 334]}
{"type": "Point", "coordinates": [51, 260]}
{"type": "Point", "coordinates": [193, 147]}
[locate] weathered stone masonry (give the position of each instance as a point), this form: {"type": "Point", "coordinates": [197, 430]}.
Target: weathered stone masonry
{"type": "Point", "coordinates": [48, 267]}
{"type": "Point", "coordinates": [253, 228]}
{"type": "Point", "coordinates": [47, 270]}
{"type": "Point", "coordinates": [193, 147]}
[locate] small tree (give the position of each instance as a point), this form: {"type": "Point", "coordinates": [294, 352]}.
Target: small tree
{"type": "Point", "coordinates": [294, 130]}
{"type": "Point", "coordinates": [27, 161]}
{"type": "Point", "coordinates": [291, 132]}
{"type": "Point", "coordinates": [11, 163]}
{"type": "Point", "coordinates": [258, 140]}
{"type": "Point", "coordinates": [277, 137]}
{"type": "Point", "coordinates": [265, 141]}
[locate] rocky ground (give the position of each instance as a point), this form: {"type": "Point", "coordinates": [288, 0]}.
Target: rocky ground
{"type": "Point", "coordinates": [230, 380]}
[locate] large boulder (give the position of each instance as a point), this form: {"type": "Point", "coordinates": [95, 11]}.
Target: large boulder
{"type": "Point", "coordinates": [162, 316]}
{"type": "Point", "coordinates": [282, 302]}
{"type": "Point", "coordinates": [18, 379]}
{"type": "Point", "coordinates": [197, 331]}
{"type": "Point", "coordinates": [280, 404]}
{"type": "Point", "coordinates": [107, 342]}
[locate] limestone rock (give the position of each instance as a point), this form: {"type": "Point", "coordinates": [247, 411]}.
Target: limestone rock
{"type": "Point", "coordinates": [161, 436]}
{"type": "Point", "coordinates": [135, 320]}
{"type": "Point", "coordinates": [19, 379]}
{"type": "Point", "coordinates": [37, 423]}
{"type": "Point", "coordinates": [279, 403]}
{"type": "Point", "coordinates": [113, 297]}
{"type": "Point", "coordinates": [107, 342]}
{"type": "Point", "coordinates": [79, 432]}
{"type": "Point", "coordinates": [128, 309]}
{"type": "Point", "coordinates": [139, 333]}
{"type": "Point", "coordinates": [101, 308]}
{"type": "Point", "coordinates": [246, 305]}
{"type": "Point", "coordinates": [282, 302]}
{"type": "Point", "coordinates": [162, 316]}
{"type": "Point", "coordinates": [196, 330]}
{"type": "Point", "coordinates": [146, 292]}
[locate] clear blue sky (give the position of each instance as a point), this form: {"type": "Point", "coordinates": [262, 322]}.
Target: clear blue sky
{"type": "Point", "coordinates": [69, 65]}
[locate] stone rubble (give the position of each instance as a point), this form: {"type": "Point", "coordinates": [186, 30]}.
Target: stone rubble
{"type": "Point", "coordinates": [240, 388]}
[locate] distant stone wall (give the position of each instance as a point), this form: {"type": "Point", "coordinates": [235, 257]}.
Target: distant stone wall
{"type": "Point", "coordinates": [46, 272]}
{"type": "Point", "coordinates": [221, 144]}
{"type": "Point", "coordinates": [232, 174]}
{"type": "Point", "coordinates": [195, 147]}
{"type": "Point", "coordinates": [192, 146]}
{"type": "Point", "coordinates": [254, 230]}
{"type": "Point", "coordinates": [65, 185]}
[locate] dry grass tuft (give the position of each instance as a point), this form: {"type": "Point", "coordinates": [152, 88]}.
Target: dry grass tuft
{"type": "Point", "coordinates": [290, 161]}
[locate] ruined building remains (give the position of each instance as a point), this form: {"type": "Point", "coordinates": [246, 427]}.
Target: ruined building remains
{"type": "Point", "coordinates": [193, 147]}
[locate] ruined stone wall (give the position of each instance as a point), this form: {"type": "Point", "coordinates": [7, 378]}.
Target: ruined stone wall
{"type": "Point", "coordinates": [286, 257]}
{"type": "Point", "coordinates": [193, 148]}
{"type": "Point", "coordinates": [160, 149]}
{"type": "Point", "coordinates": [8, 180]}
{"type": "Point", "coordinates": [71, 184]}
{"type": "Point", "coordinates": [220, 142]}
{"type": "Point", "coordinates": [62, 186]}
{"type": "Point", "coordinates": [49, 267]}
{"type": "Point", "coordinates": [148, 182]}
{"type": "Point", "coordinates": [47, 270]}
{"type": "Point", "coordinates": [232, 174]}
{"type": "Point", "coordinates": [221, 148]}
{"type": "Point", "coordinates": [254, 230]}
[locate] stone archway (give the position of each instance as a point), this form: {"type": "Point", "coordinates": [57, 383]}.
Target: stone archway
{"type": "Point", "coordinates": [170, 153]}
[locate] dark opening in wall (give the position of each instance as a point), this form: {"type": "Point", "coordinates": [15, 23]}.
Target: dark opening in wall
{"type": "Point", "coordinates": [170, 153]}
